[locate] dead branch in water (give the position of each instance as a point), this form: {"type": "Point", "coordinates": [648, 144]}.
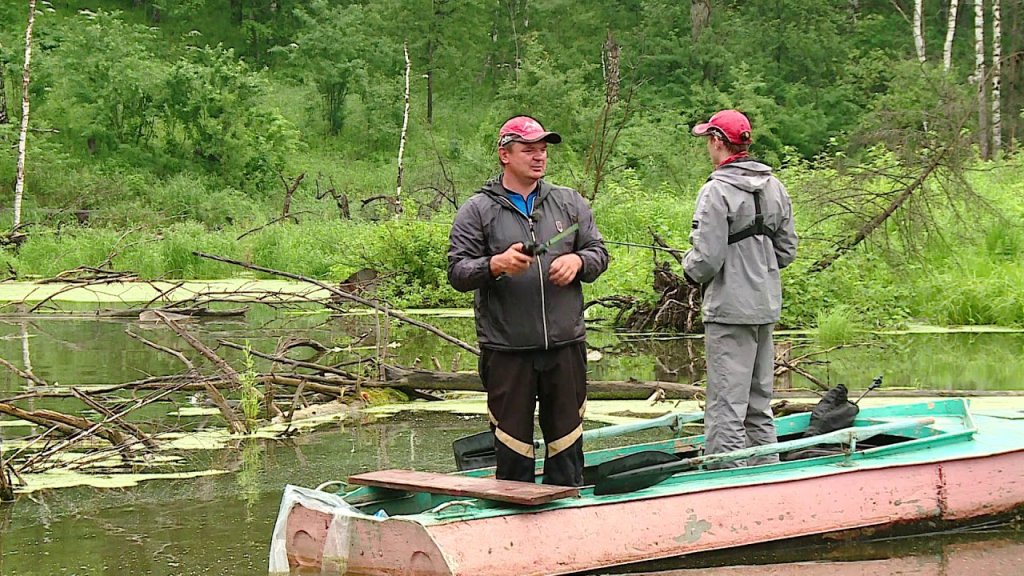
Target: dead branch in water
{"type": "Point", "coordinates": [286, 360]}
{"type": "Point", "coordinates": [234, 422]}
{"type": "Point", "coordinates": [679, 301]}
{"type": "Point", "coordinates": [341, 294]}
{"type": "Point", "coordinates": [65, 423]}
{"type": "Point", "coordinates": [121, 423]}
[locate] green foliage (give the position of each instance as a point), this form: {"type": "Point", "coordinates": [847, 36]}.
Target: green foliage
{"type": "Point", "coordinates": [1005, 242]}
{"type": "Point", "coordinates": [334, 51]}
{"type": "Point", "coordinates": [835, 326]}
{"type": "Point", "coordinates": [251, 475]}
{"type": "Point", "coordinates": [178, 120]}
{"type": "Point", "coordinates": [559, 97]}
{"type": "Point", "coordinates": [314, 251]}
{"type": "Point", "coordinates": [415, 255]}
{"type": "Point", "coordinates": [120, 101]}
{"type": "Point", "coordinates": [665, 212]}
{"type": "Point", "coordinates": [252, 397]}
{"type": "Point", "coordinates": [974, 290]}
{"type": "Point", "coordinates": [49, 254]}
{"type": "Point", "coordinates": [187, 197]}
{"type": "Point", "coordinates": [176, 258]}
{"type": "Point", "coordinates": [212, 110]}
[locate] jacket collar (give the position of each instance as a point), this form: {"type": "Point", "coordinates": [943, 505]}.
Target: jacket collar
{"type": "Point", "coordinates": [496, 191]}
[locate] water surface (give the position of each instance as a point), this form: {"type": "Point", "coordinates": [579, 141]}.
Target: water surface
{"type": "Point", "coordinates": [222, 524]}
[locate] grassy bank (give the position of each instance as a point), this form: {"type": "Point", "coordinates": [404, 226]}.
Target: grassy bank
{"type": "Point", "coordinates": [969, 271]}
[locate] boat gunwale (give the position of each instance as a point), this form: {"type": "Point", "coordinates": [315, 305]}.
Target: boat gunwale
{"type": "Point", "coordinates": [697, 480]}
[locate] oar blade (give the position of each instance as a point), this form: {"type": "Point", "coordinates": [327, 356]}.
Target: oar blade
{"type": "Point", "coordinates": [620, 475]}
{"type": "Point", "coordinates": [476, 451]}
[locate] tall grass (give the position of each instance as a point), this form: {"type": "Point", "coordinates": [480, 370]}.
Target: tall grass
{"type": "Point", "coordinates": [836, 326]}
{"type": "Point", "coordinates": [252, 398]}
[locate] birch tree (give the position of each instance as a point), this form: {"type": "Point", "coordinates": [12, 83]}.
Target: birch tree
{"type": "Point", "coordinates": [4, 119]}
{"type": "Point", "coordinates": [979, 75]}
{"type": "Point", "coordinates": [919, 29]}
{"type": "Point", "coordinates": [947, 48]}
{"type": "Point", "coordinates": [997, 56]}
{"type": "Point", "coordinates": [19, 187]}
{"type": "Point", "coordinates": [405, 127]}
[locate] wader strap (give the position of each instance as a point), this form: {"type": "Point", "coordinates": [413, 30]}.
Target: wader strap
{"type": "Point", "coordinates": [757, 228]}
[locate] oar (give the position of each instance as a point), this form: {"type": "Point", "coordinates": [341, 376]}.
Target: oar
{"type": "Point", "coordinates": [477, 451]}
{"type": "Point", "coordinates": [645, 469]}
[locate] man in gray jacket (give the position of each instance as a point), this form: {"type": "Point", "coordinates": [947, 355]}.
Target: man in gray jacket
{"type": "Point", "coordinates": [742, 236]}
{"type": "Point", "coordinates": [524, 246]}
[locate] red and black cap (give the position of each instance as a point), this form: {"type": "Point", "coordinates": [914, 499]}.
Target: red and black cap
{"type": "Point", "coordinates": [731, 125]}
{"type": "Point", "coordinates": [527, 130]}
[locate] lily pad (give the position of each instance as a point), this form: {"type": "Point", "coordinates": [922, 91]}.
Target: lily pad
{"type": "Point", "coordinates": [67, 478]}
{"type": "Point", "coordinates": [192, 411]}
{"type": "Point", "coordinates": [123, 292]}
{"type": "Point", "coordinates": [928, 329]}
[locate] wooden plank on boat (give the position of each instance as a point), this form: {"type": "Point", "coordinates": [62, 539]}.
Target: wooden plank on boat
{"type": "Point", "coordinates": [524, 493]}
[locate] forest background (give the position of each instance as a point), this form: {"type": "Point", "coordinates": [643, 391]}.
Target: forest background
{"type": "Point", "coordinates": [297, 135]}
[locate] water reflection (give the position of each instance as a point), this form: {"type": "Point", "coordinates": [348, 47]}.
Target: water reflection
{"type": "Point", "coordinates": [97, 351]}
{"type": "Point", "coordinates": [998, 553]}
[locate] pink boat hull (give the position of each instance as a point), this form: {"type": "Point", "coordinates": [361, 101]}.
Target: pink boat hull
{"type": "Point", "coordinates": [572, 539]}
{"type": "Point", "coordinates": [989, 558]}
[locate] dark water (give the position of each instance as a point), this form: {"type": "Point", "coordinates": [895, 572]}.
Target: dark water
{"type": "Point", "coordinates": [995, 551]}
{"type": "Point", "coordinates": [222, 524]}
{"type": "Point", "coordinates": [83, 352]}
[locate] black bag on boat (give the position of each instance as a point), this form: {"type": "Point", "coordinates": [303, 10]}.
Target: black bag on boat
{"type": "Point", "coordinates": [833, 412]}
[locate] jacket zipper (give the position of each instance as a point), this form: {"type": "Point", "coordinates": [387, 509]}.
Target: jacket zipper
{"type": "Point", "coordinates": [540, 277]}
{"type": "Point", "coordinates": [540, 271]}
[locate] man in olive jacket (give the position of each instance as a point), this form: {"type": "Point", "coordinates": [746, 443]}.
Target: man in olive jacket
{"type": "Point", "coordinates": [742, 236]}
{"type": "Point", "coordinates": [529, 303]}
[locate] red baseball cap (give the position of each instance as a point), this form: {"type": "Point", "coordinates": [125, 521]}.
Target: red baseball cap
{"type": "Point", "coordinates": [731, 124]}
{"type": "Point", "coordinates": [525, 129]}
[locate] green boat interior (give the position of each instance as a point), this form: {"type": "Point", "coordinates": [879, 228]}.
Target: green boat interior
{"type": "Point", "coordinates": [899, 428]}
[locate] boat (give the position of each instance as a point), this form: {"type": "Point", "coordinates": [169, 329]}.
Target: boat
{"type": "Point", "coordinates": [897, 466]}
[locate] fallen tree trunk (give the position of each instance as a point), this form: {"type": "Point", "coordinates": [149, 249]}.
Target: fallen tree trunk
{"type": "Point", "coordinates": [64, 423]}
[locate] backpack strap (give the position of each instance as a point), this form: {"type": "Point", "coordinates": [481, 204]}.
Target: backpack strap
{"type": "Point", "coordinates": [757, 228]}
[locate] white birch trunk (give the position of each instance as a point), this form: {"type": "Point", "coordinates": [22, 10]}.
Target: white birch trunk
{"type": "Point", "coordinates": [979, 76]}
{"type": "Point", "coordinates": [405, 126]}
{"type": "Point", "coordinates": [947, 49]}
{"type": "Point", "coordinates": [19, 186]}
{"type": "Point", "coordinates": [4, 119]}
{"type": "Point", "coordinates": [919, 29]}
{"type": "Point", "coordinates": [997, 55]}
{"type": "Point", "coordinates": [26, 355]}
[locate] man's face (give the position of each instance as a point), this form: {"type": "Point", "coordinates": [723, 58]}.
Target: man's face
{"type": "Point", "coordinates": [525, 161]}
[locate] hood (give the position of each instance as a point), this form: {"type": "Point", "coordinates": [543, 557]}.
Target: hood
{"type": "Point", "coordinates": [746, 174]}
{"type": "Point", "coordinates": [493, 186]}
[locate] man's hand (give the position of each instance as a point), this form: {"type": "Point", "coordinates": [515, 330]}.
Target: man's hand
{"type": "Point", "coordinates": [564, 269]}
{"type": "Point", "coordinates": [511, 261]}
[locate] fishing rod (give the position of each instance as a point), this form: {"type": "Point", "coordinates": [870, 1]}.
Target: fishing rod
{"type": "Point", "coordinates": [651, 246]}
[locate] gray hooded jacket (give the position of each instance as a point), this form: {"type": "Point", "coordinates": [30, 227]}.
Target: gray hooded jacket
{"type": "Point", "coordinates": [526, 311]}
{"type": "Point", "coordinates": [742, 284]}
